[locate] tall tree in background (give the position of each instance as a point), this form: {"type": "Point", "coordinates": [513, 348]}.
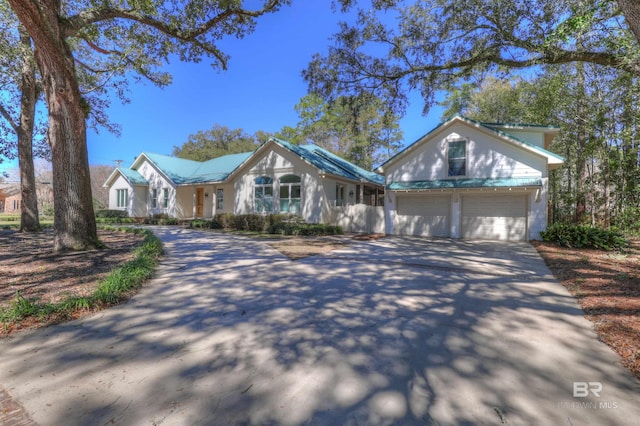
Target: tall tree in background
{"type": "Point", "coordinates": [18, 81]}
{"type": "Point", "coordinates": [218, 141]}
{"type": "Point", "coordinates": [358, 128]}
{"type": "Point", "coordinates": [140, 36]}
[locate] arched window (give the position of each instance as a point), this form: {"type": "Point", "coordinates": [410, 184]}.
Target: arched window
{"type": "Point", "coordinates": [263, 194]}
{"type": "Point", "coordinates": [290, 194]}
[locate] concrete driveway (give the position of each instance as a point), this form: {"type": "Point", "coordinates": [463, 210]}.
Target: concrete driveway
{"type": "Point", "coordinates": [396, 331]}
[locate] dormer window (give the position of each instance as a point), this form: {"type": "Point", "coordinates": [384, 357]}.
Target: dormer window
{"type": "Point", "coordinates": [457, 157]}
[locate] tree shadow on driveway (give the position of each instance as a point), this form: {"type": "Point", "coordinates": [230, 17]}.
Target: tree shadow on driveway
{"type": "Point", "coordinates": [395, 331]}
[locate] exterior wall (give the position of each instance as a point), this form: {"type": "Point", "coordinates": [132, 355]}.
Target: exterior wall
{"type": "Point", "coordinates": [535, 138]}
{"type": "Point", "coordinates": [12, 203]}
{"type": "Point", "coordinates": [275, 163]}
{"type": "Point", "coordinates": [487, 157]}
{"type": "Point", "coordinates": [158, 182]}
{"type": "Point", "coordinates": [185, 202]}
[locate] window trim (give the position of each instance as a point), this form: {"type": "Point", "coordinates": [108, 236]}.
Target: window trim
{"type": "Point", "coordinates": [122, 198]}
{"type": "Point", "coordinates": [154, 198]}
{"type": "Point", "coordinates": [220, 199]}
{"type": "Point", "coordinates": [340, 195]}
{"type": "Point", "coordinates": [289, 186]}
{"type": "Point", "coordinates": [165, 197]}
{"type": "Point", "coordinates": [450, 159]}
{"type": "Point", "coordinates": [260, 184]}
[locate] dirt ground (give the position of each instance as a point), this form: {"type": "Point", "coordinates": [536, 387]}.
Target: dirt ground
{"type": "Point", "coordinates": [606, 284]}
{"type": "Point", "coordinates": [607, 287]}
{"type": "Point", "coordinates": [28, 266]}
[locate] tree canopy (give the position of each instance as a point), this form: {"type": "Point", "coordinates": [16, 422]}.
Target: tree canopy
{"type": "Point", "coordinates": [396, 47]}
{"type": "Point", "coordinates": [218, 141]}
{"type": "Point", "coordinates": [358, 128]}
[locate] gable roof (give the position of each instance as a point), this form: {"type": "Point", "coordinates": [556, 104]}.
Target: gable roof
{"type": "Point", "coordinates": [330, 163]}
{"type": "Point", "coordinates": [185, 172]}
{"type": "Point", "coordinates": [495, 130]}
{"type": "Point", "coordinates": [131, 176]}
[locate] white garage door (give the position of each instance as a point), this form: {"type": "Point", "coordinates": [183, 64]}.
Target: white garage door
{"type": "Point", "coordinates": [420, 214]}
{"type": "Point", "coordinates": [495, 217]}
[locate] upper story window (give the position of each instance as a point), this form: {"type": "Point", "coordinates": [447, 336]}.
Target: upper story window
{"type": "Point", "coordinates": [290, 194]}
{"type": "Point", "coordinates": [263, 194]}
{"type": "Point", "coordinates": [122, 197]}
{"type": "Point", "coordinates": [457, 157]}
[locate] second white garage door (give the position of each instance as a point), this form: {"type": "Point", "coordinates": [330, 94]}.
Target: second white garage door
{"type": "Point", "coordinates": [495, 217]}
{"type": "Point", "coordinates": [421, 214]}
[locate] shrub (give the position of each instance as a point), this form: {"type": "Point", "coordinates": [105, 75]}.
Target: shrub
{"type": "Point", "coordinates": [582, 236]}
{"type": "Point", "coordinates": [112, 213]}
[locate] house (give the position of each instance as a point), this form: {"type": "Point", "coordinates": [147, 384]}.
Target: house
{"type": "Point", "coordinates": [463, 179]}
{"type": "Point", "coordinates": [278, 177]}
{"type": "Point", "coordinates": [10, 198]}
{"type": "Point", "coordinates": [466, 179]}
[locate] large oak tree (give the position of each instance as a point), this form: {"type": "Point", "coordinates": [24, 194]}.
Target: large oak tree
{"type": "Point", "coordinates": [139, 35]}
{"type": "Point", "coordinates": [396, 47]}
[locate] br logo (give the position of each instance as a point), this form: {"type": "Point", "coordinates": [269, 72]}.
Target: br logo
{"type": "Point", "coordinates": [583, 389]}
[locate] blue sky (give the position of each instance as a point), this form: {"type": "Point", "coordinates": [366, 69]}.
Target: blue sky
{"type": "Point", "coordinates": [259, 90]}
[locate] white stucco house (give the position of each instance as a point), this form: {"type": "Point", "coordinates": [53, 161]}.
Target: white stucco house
{"type": "Point", "coordinates": [466, 179]}
{"type": "Point", "coordinates": [278, 177]}
{"type": "Point", "coordinates": [463, 179]}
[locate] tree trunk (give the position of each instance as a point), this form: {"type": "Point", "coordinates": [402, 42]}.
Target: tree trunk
{"type": "Point", "coordinates": [74, 220]}
{"type": "Point", "coordinates": [631, 11]}
{"type": "Point", "coordinates": [29, 221]}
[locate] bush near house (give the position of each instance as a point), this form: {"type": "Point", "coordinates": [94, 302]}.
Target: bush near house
{"type": "Point", "coordinates": [582, 236]}
{"type": "Point", "coordinates": [282, 224]}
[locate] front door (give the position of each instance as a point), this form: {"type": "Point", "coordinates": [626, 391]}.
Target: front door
{"type": "Point", "coordinates": [199, 202]}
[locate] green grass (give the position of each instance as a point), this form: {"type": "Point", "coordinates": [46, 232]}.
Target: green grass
{"type": "Point", "coordinates": [115, 288]}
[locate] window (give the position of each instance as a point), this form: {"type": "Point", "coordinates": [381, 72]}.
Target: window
{"type": "Point", "coordinates": [165, 197]}
{"type": "Point", "coordinates": [290, 194]}
{"type": "Point", "coordinates": [220, 198]}
{"type": "Point", "coordinates": [339, 195]}
{"type": "Point", "coordinates": [263, 194]}
{"type": "Point", "coordinates": [154, 198]}
{"type": "Point", "coordinates": [122, 198]}
{"type": "Point", "coordinates": [457, 158]}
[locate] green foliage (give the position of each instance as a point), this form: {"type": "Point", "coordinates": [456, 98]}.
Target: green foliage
{"type": "Point", "coordinates": [218, 141]}
{"type": "Point", "coordinates": [113, 289]}
{"type": "Point", "coordinates": [359, 128]}
{"type": "Point", "coordinates": [282, 224]}
{"type": "Point", "coordinates": [582, 236]}
{"type": "Point", "coordinates": [106, 213]}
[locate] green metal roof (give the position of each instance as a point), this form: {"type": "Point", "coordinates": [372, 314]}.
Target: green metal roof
{"type": "Point", "coordinates": [487, 127]}
{"type": "Point", "coordinates": [133, 177]}
{"type": "Point", "coordinates": [331, 163]}
{"type": "Point", "coordinates": [465, 183]}
{"type": "Point", "coordinates": [182, 171]}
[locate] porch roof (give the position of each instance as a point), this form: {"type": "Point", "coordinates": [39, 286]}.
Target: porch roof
{"type": "Point", "coordinates": [133, 176]}
{"type": "Point", "coordinates": [465, 183]}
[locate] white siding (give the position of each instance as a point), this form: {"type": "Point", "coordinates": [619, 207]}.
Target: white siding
{"type": "Point", "coordinates": [275, 163]}
{"type": "Point", "coordinates": [120, 183]}
{"type": "Point", "coordinates": [487, 156]}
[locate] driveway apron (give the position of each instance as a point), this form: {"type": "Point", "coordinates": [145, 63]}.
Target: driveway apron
{"type": "Point", "coordinates": [395, 331]}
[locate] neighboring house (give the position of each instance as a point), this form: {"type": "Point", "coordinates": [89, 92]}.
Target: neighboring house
{"type": "Point", "coordinates": [278, 177]}
{"type": "Point", "coordinates": [10, 198]}
{"type": "Point", "coordinates": [466, 179]}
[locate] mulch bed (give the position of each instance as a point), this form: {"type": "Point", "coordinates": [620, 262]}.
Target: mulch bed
{"type": "Point", "coordinates": [607, 287]}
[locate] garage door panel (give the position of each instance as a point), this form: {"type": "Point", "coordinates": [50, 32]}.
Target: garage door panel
{"type": "Point", "coordinates": [502, 217]}
{"type": "Point", "coordinates": [426, 215]}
